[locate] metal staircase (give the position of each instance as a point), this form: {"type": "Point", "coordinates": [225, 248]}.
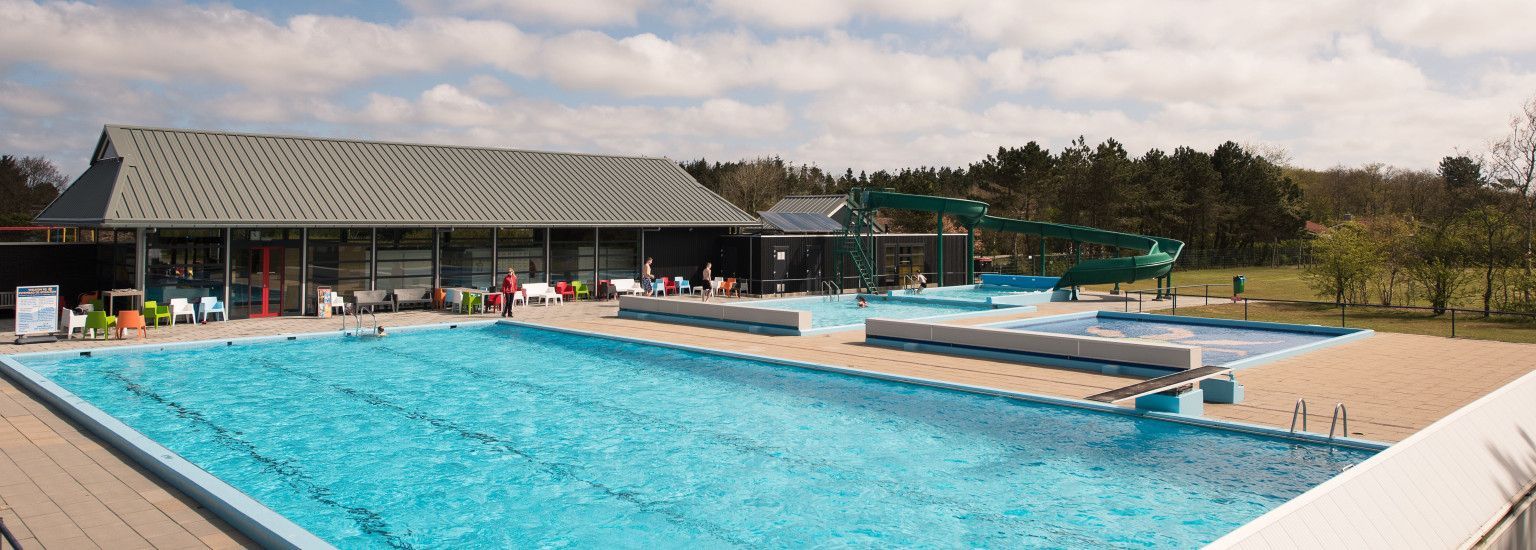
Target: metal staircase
{"type": "Point", "coordinates": [859, 229]}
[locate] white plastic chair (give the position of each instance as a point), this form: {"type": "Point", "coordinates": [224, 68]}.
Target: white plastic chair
{"type": "Point", "coordinates": [71, 321]}
{"type": "Point", "coordinates": [180, 307]}
{"type": "Point", "coordinates": [453, 299]}
{"type": "Point", "coordinates": [212, 305]}
{"type": "Point", "coordinates": [520, 296]}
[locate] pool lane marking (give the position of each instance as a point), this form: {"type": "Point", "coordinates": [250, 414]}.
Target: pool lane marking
{"type": "Point", "coordinates": [556, 469]}
{"type": "Point", "coordinates": [367, 520]}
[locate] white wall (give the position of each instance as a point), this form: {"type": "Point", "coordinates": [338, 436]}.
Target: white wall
{"type": "Point", "coordinates": [1440, 488]}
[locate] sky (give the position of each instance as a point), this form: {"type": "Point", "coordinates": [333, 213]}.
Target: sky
{"type": "Point", "coordinates": [861, 84]}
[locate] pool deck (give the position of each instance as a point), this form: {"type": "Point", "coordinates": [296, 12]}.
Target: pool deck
{"type": "Point", "coordinates": [60, 487]}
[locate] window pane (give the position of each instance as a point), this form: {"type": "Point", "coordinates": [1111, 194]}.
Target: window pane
{"type": "Point", "coordinates": [523, 250]}
{"type": "Point", "coordinates": [466, 258]}
{"type": "Point", "coordinates": [338, 258]}
{"type": "Point", "coordinates": [618, 253]}
{"type": "Point", "coordinates": [184, 263]}
{"type": "Point", "coordinates": [571, 255]}
{"type": "Point", "coordinates": [405, 258]}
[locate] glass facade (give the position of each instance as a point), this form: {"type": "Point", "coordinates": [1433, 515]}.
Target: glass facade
{"type": "Point", "coordinates": [184, 263]}
{"type": "Point", "coordinates": [404, 259]}
{"type": "Point", "coordinates": [572, 255]}
{"type": "Point", "coordinates": [277, 271]}
{"type": "Point", "coordinates": [266, 272]}
{"type": "Point", "coordinates": [466, 258]}
{"type": "Point", "coordinates": [618, 252]}
{"type": "Point", "coordinates": [523, 250]}
{"type": "Point", "coordinates": [340, 259]}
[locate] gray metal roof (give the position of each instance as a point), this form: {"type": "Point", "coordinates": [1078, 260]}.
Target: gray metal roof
{"type": "Point", "coordinates": [166, 177]}
{"type": "Point", "coordinates": [800, 222]}
{"type": "Point", "coordinates": [825, 205]}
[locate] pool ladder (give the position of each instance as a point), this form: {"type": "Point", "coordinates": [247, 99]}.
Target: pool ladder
{"type": "Point", "coordinates": [357, 316]}
{"type": "Point", "coordinates": [832, 291]}
{"type": "Point", "coordinates": [1340, 413]}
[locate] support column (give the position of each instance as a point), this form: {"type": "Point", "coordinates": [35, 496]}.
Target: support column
{"type": "Point", "coordinates": [970, 255]}
{"type": "Point", "coordinates": [1042, 254]}
{"type": "Point", "coordinates": [940, 217]}
{"type": "Point", "coordinates": [495, 239]}
{"type": "Point", "coordinates": [373, 257]}
{"type": "Point", "coordinates": [1077, 258]}
{"type": "Point", "coordinates": [304, 273]}
{"type": "Point", "coordinates": [547, 267]}
{"type": "Point", "coordinates": [229, 267]}
{"type": "Point", "coordinates": [140, 258]}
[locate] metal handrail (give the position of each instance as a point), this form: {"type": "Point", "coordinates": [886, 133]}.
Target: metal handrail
{"type": "Point", "coordinates": [5, 533]}
{"type": "Point", "coordinates": [1339, 411]}
{"type": "Point", "coordinates": [1301, 410]}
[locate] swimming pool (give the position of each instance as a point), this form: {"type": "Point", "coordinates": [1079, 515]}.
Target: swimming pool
{"type": "Point", "coordinates": [1222, 342]}
{"type": "Point", "coordinates": [846, 313]}
{"type": "Point", "coordinates": [505, 435]}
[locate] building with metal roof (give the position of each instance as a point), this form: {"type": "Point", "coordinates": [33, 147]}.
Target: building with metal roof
{"type": "Point", "coordinates": [267, 221]}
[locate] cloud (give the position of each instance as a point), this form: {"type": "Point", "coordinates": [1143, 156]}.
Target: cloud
{"type": "Point", "coordinates": [223, 44]}
{"type": "Point", "coordinates": [563, 12]}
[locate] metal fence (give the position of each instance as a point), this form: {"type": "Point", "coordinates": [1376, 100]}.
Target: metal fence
{"type": "Point", "coordinates": [1363, 314]}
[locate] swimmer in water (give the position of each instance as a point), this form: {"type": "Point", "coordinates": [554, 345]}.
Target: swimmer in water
{"type": "Point", "coordinates": [379, 333]}
{"type": "Point", "coordinates": [863, 302]}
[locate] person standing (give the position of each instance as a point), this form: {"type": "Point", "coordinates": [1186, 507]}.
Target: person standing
{"type": "Point", "coordinates": [922, 282]}
{"type": "Point", "coordinates": [647, 280]}
{"type": "Point", "coordinates": [709, 281]}
{"type": "Point", "coordinates": [508, 290]}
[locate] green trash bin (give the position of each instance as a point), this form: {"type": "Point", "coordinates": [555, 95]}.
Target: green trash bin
{"type": "Point", "coordinates": [1238, 283]}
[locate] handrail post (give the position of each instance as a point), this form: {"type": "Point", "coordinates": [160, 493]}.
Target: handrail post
{"type": "Point", "coordinates": [1453, 323]}
{"type": "Point", "coordinates": [1337, 409]}
{"type": "Point", "coordinates": [1299, 409]}
{"type": "Point", "coordinates": [1245, 309]}
{"type": "Point", "coordinates": [1342, 307]}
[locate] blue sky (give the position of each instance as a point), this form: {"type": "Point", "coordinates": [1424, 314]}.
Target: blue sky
{"type": "Point", "coordinates": [862, 84]}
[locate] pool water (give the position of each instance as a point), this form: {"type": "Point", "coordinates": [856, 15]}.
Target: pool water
{"type": "Point", "coordinates": [836, 313]}
{"type": "Point", "coordinates": [979, 293]}
{"type": "Point", "coordinates": [508, 436]}
{"type": "Point", "coordinates": [1219, 345]}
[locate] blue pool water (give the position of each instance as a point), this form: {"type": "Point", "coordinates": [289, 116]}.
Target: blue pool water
{"type": "Point", "coordinates": [979, 293]}
{"type": "Point", "coordinates": [504, 436]}
{"type": "Point", "coordinates": [1219, 345]}
{"type": "Point", "coordinates": [836, 313]}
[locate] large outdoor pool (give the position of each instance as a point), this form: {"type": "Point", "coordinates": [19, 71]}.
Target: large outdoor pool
{"type": "Point", "coordinates": [510, 436]}
{"type": "Point", "coordinates": [845, 311]}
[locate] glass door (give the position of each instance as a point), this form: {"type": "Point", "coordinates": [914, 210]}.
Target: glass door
{"type": "Point", "coordinates": [265, 281]}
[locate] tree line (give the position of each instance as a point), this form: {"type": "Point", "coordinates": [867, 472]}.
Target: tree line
{"type": "Point", "coordinates": [1444, 236]}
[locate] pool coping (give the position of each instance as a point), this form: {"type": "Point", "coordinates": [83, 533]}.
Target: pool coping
{"type": "Point", "coordinates": [273, 530]}
{"type": "Point", "coordinates": [255, 520]}
{"type": "Point", "coordinates": [1337, 335]}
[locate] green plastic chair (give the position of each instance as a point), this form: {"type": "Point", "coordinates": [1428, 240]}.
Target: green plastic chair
{"type": "Point", "coordinates": [154, 313]}
{"type": "Point", "coordinates": [470, 301]}
{"type": "Point", "coordinates": [581, 290]}
{"type": "Point", "coordinates": [99, 323]}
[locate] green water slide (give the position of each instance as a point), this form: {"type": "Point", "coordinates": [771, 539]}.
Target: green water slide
{"type": "Point", "coordinates": [1156, 258]}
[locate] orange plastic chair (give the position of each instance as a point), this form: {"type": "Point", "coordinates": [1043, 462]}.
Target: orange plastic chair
{"type": "Point", "coordinates": [725, 287]}
{"type": "Point", "coordinates": [130, 319]}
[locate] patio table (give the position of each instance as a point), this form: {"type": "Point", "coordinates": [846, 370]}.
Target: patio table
{"type": "Point", "coordinates": [108, 297]}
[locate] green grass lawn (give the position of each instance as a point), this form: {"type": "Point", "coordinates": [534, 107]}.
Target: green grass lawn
{"type": "Point", "coordinates": [1284, 283]}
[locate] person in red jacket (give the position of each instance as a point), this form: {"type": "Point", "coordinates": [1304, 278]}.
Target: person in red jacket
{"type": "Point", "coordinates": [508, 288]}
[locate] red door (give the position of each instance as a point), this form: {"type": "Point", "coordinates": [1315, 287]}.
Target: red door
{"type": "Point", "coordinates": [265, 282]}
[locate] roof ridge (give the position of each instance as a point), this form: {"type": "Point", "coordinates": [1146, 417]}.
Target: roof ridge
{"type": "Point", "coordinates": [374, 141]}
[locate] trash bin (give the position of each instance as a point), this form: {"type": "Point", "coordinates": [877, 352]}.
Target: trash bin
{"type": "Point", "coordinates": [1238, 283]}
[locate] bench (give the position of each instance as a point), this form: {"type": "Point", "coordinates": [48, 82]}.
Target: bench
{"type": "Point", "coordinates": [370, 299]}
{"type": "Point", "coordinates": [411, 297]}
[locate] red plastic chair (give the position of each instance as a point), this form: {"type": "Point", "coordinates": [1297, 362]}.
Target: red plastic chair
{"type": "Point", "coordinates": [565, 290]}
{"type": "Point", "coordinates": [671, 285]}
